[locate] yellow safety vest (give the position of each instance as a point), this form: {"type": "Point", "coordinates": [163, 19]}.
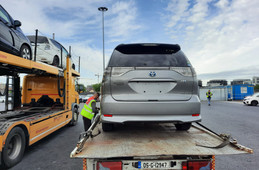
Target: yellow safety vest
{"type": "Point", "coordinates": [209, 94]}
{"type": "Point", "coordinates": [87, 110]}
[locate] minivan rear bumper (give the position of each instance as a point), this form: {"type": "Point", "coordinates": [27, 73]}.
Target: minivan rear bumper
{"type": "Point", "coordinates": [161, 111]}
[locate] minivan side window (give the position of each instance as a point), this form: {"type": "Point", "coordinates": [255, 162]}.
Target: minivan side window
{"type": "Point", "coordinates": [40, 39]}
{"type": "Point", "coordinates": [64, 52]}
{"type": "Point", "coordinates": [55, 43]}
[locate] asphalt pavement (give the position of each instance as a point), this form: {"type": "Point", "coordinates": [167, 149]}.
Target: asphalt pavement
{"type": "Point", "coordinates": [234, 118]}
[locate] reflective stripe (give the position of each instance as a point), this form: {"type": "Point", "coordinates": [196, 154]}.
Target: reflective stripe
{"type": "Point", "coordinates": [48, 130]}
{"type": "Point", "coordinates": [87, 108]}
{"type": "Point", "coordinates": [209, 95]}
{"type": "Point", "coordinates": [87, 114]}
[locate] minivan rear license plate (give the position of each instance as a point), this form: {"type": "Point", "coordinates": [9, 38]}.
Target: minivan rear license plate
{"type": "Point", "coordinates": [153, 164]}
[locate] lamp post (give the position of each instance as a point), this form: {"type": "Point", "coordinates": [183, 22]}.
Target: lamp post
{"type": "Point", "coordinates": [103, 9]}
{"type": "Point", "coordinates": [98, 75]}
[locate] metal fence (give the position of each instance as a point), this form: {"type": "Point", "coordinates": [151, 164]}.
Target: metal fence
{"type": "Point", "coordinates": [219, 93]}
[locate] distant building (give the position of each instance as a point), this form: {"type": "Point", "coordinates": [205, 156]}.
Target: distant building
{"type": "Point", "coordinates": [217, 83]}
{"type": "Point", "coordinates": [89, 88]}
{"type": "Point", "coordinates": [241, 81]}
{"type": "Point", "coordinates": [255, 80]}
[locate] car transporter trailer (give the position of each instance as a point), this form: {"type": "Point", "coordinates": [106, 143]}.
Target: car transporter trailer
{"type": "Point", "coordinates": [49, 102]}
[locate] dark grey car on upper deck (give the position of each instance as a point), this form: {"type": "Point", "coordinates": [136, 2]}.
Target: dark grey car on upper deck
{"type": "Point", "coordinates": [12, 39]}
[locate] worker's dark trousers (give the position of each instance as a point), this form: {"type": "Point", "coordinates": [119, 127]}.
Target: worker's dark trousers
{"type": "Point", "coordinates": [87, 123]}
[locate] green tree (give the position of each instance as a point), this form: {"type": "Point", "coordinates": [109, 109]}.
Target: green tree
{"type": "Point", "coordinates": [97, 87]}
{"type": "Point", "coordinates": [81, 88]}
{"type": "Point", "coordinates": [256, 88]}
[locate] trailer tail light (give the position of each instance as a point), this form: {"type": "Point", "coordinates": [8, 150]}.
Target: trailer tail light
{"type": "Point", "coordinates": [184, 165]}
{"type": "Point", "coordinates": [197, 165]}
{"type": "Point", "coordinates": [109, 165]}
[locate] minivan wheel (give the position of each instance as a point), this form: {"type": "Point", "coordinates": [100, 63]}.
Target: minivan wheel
{"type": "Point", "coordinates": [55, 61]}
{"type": "Point", "coordinates": [183, 126]}
{"type": "Point", "coordinates": [107, 127]}
{"type": "Point", "coordinates": [254, 103]}
{"type": "Point", "coordinates": [14, 147]}
{"type": "Point", "coordinates": [25, 52]}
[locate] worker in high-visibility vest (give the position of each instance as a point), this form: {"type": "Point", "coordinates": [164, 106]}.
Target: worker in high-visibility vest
{"type": "Point", "coordinates": [89, 110]}
{"type": "Point", "coordinates": [209, 94]}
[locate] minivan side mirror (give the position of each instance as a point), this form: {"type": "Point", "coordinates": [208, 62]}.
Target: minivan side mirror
{"type": "Point", "coordinates": [17, 23]}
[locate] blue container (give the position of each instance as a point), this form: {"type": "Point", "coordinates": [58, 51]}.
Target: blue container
{"type": "Point", "coordinates": [230, 93]}
{"type": "Point", "coordinates": [242, 90]}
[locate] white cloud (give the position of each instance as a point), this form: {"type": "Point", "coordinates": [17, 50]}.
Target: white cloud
{"type": "Point", "coordinates": [78, 19]}
{"type": "Point", "coordinates": [224, 40]}
{"type": "Point", "coordinates": [122, 21]}
{"type": "Point", "coordinates": [199, 11]}
{"type": "Point", "coordinates": [217, 36]}
{"type": "Point", "coordinates": [222, 4]}
{"type": "Point", "coordinates": [42, 15]}
{"type": "Point", "coordinates": [178, 10]}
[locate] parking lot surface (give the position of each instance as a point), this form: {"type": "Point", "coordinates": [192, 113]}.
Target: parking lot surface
{"type": "Point", "coordinates": [223, 117]}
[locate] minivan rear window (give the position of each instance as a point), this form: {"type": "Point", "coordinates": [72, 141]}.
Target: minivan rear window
{"type": "Point", "coordinates": [177, 59]}
{"type": "Point", "coordinates": [40, 39]}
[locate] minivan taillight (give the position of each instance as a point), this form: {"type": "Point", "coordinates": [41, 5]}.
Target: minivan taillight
{"type": "Point", "coordinates": [119, 71]}
{"type": "Point", "coordinates": [185, 71]}
{"type": "Point", "coordinates": [109, 165]}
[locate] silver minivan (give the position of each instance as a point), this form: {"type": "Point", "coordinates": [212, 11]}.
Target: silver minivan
{"type": "Point", "coordinates": [149, 83]}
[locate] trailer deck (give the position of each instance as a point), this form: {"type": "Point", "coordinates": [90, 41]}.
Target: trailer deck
{"type": "Point", "coordinates": [147, 140]}
{"type": "Point", "coordinates": [11, 63]}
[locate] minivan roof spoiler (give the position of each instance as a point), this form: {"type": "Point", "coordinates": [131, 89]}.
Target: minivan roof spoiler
{"type": "Point", "coordinates": [148, 48]}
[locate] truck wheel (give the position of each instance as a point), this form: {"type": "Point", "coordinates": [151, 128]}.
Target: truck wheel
{"type": "Point", "coordinates": [183, 126]}
{"type": "Point", "coordinates": [254, 103]}
{"type": "Point", "coordinates": [107, 127]}
{"type": "Point", "coordinates": [25, 52]}
{"type": "Point", "coordinates": [74, 120]}
{"type": "Point", "coordinates": [14, 147]}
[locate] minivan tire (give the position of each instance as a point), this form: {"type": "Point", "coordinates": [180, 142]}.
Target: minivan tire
{"type": "Point", "coordinates": [14, 147]}
{"type": "Point", "coordinates": [107, 127]}
{"type": "Point", "coordinates": [183, 126]}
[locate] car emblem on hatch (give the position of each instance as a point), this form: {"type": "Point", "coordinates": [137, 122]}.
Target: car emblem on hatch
{"type": "Point", "coordinates": [152, 74]}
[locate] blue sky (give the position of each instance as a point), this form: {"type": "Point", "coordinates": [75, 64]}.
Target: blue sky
{"type": "Point", "coordinates": [220, 37]}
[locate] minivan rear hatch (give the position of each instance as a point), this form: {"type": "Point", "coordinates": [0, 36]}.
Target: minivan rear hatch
{"type": "Point", "coordinates": [150, 72]}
